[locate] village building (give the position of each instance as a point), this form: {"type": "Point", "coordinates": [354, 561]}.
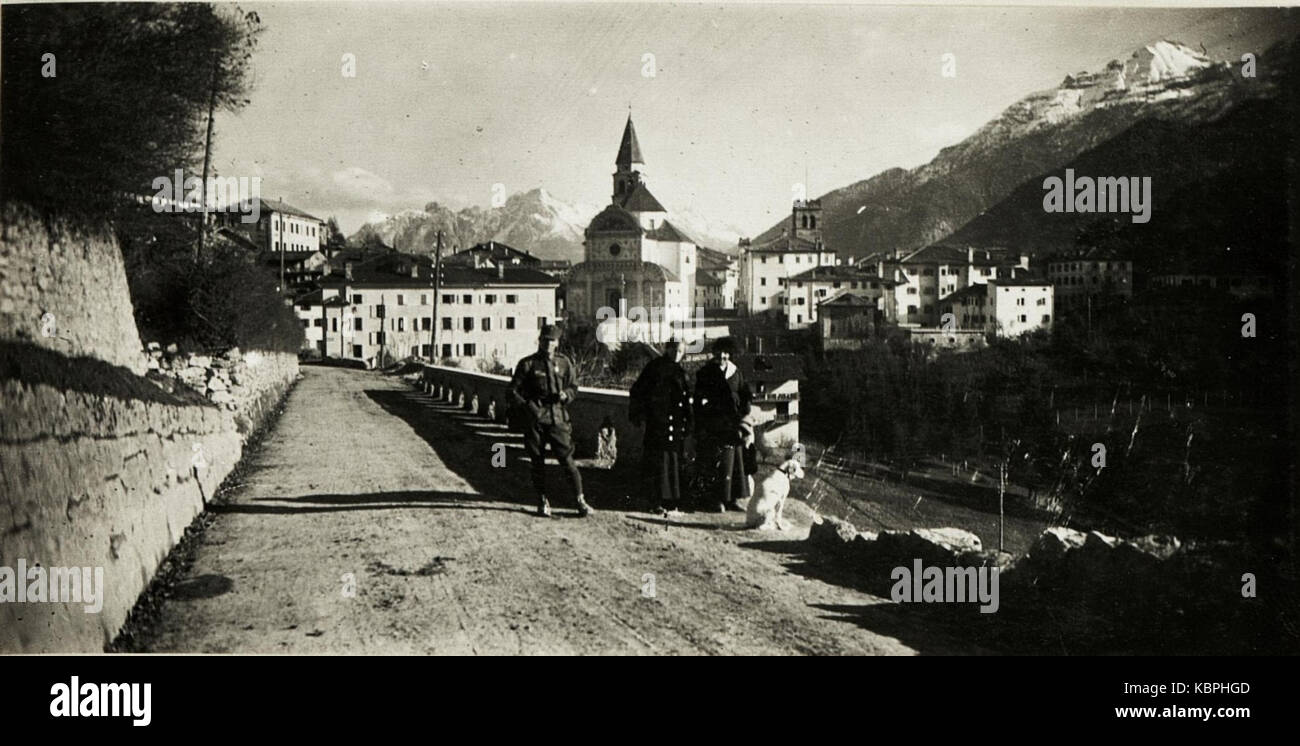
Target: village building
{"type": "Point", "coordinates": [765, 267]}
{"type": "Point", "coordinates": [633, 255]}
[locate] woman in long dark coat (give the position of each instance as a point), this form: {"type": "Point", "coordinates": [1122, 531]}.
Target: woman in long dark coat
{"type": "Point", "coordinates": [661, 401]}
{"type": "Point", "coordinates": [722, 399]}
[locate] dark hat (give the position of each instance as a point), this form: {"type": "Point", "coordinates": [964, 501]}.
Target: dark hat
{"type": "Point", "coordinates": [725, 344]}
{"type": "Point", "coordinates": [550, 332]}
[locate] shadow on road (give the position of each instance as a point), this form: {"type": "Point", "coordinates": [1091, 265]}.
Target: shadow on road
{"type": "Point", "coordinates": [433, 499]}
{"type": "Point", "coordinates": [455, 435]}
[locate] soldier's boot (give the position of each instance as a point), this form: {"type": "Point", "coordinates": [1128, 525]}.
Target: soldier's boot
{"type": "Point", "coordinates": [543, 507]}
{"type": "Point", "coordinates": [584, 509]}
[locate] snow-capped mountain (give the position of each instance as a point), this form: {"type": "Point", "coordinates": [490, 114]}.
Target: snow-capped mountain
{"type": "Point", "coordinates": [535, 221]}
{"type": "Point", "coordinates": [901, 210]}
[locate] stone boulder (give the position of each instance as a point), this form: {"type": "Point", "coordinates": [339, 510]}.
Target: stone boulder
{"type": "Point", "coordinates": [830, 533]}
{"type": "Point", "coordinates": [1054, 543]}
{"type": "Point", "coordinates": [933, 546]}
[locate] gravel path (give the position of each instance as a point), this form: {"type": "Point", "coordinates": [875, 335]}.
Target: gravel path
{"type": "Point", "coordinates": [372, 521]}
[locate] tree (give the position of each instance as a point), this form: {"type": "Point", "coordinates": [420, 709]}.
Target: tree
{"type": "Point", "coordinates": [128, 101]}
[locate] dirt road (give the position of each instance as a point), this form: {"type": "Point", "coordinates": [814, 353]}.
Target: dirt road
{"type": "Point", "coordinates": [373, 521]}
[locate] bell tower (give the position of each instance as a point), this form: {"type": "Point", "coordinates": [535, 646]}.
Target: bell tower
{"type": "Point", "coordinates": [626, 175]}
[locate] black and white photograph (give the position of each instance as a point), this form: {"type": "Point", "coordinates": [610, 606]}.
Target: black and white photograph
{"type": "Point", "coordinates": [359, 329]}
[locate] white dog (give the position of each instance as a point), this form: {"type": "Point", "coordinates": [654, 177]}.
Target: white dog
{"type": "Point", "coordinates": [765, 508]}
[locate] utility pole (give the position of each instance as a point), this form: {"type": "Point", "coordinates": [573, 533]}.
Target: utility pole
{"type": "Point", "coordinates": [437, 286]}
{"type": "Point", "coordinates": [207, 156]}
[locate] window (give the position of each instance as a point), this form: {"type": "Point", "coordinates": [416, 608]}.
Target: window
{"type": "Point", "coordinates": [487, 324]}
{"type": "Point", "coordinates": [798, 284]}
{"type": "Point", "coordinates": [318, 322]}
{"type": "Point", "coordinates": [1022, 318]}
{"type": "Point", "coordinates": [837, 285]}
{"type": "Point", "coordinates": [356, 350]}
{"type": "Point", "coordinates": [305, 323]}
{"type": "Point", "coordinates": [446, 323]}
{"type": "Point", "coordinates": [425, 350]}
{"type": "Point", "coordinates": [446, 298]}
{"type": "Point", "coordinates": [798, 318]}
{"type": "Point", "coordinates": [446, 350]}
{"type": "Point", "coordinates": [489, 299]}
{"type": "Point", "coordinates": [356, 300]}
{"type": "Point", "coordinates": [415, 350]}
{"type": "Point", "coordinates": [801, 301]}
{"type": "Point", "coordinates": [762, 281]}
{"type": "Point", "coordinates": [356, 323]}
{"type": "Point", "coordinates": [762, 300]}
{"type": "Point", "coordinates": [512, 299]}
{"type": "Point", "coordinates": [928, 271]}
{"type": "Point", "coordinates": [334, 325]}
{"type": "Point", "coordinates": [426, 324]}
{"type": "Point", "coordinates": [467, 298]}
{"type": "Point", "coordinates": [401, 325]}
{"type": "Point", "coordinates": [911, 290]}
{"type": "Point", "coordinates": [424, 299]}
{"type": "Point", "coordinates": [1046, 318]}
{"type": "Point", "coordinates": [469, 350]}
{"type": "Point", "coordinates": [380, 338]}
{"type": "Point", "coordinates": [468, 323]}
{"type": "Point", "coordinates": [510, 322]}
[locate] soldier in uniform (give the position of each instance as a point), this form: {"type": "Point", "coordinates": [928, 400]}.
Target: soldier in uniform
{"type": "Point", "coordinates": [542, 385]}
{"type": "Point", "coordinates": [661, 401]}
{"type": "Point", "coordinates": [722, 400]}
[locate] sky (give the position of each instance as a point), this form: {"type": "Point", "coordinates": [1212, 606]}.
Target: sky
{"type": "Point", "coordinates": [741, 104]}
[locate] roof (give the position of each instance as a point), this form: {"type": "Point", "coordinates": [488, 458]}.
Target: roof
{"type": "Point", "coordinates": [286, 208]}
{"type": "Point", "coordinates": [290, 257]}
{"type": "Point", "coordinates": [668, 232]}
{"type": "Point", "coordinates": [788, 245]}
{"type": "Point", "coordinates": [828, 273]}
{"type": "Point", "coordinates": [942, 254]}
{"type": "Point", "coordinates": [393, 269]}
{"type": "Point", "coordinates": [494, 250]}
{"type": "Point", "coordinates": [1014, 283]}
{"type": "Point", "coordinates": [641, 200]}
{"type": "Point", "coordinates": [846, 298]}
{"type": "Point", "coordinates": [702, 277]}
{"type": "Point", "coordinates": [970, 291]}
{"type": "Point", "coordinates": [629, 150]}
{"type": "Point", "coordinates": [614, 218]}
{"type": "Point", "coordinates": [720, 259]}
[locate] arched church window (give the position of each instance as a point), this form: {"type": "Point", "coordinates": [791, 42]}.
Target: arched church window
{"type": "Point", "coordinates": [803, 220]}
{"type": "Point", "coordinates": [614, 249]}
{"type": "Point", "coordinates": [812, 221]}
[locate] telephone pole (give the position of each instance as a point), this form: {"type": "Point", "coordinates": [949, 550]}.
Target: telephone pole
{"type": "Point", "coordinates": [207, 156]}
{"type": "Point", "coordinates": [437, 287]}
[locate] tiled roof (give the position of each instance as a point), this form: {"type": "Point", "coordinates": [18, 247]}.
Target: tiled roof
{"type": "Point", "coordinates": [970, 291]}
{"type": "Point", "coordinates": [386, 271]}
{"type": "Point", "coordinates": [493, 249]}
{"type": "Point", "coordinates": [641, 200]}
{"type": "Point", "coordinates": [787, 245]}
{"type": "Point", "coordinates": [702, 277]}
{"type": "Point", "coordinates": [666, 231]}
{"type": "Point", "coordinates": [286, 208]}
{"type": "Point", "coordinates": [827, 273]}
{"type": "Point", "coordinates": [848, 298]}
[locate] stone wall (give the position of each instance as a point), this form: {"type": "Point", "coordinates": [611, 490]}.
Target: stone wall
{"type": "Point", "coordinates": [97, 481]}
{"type": "Point", "coordinates": [246, 384]}
{"type": "Point", "coordinates": [100, 467]}
{"type": "Point", "coordinates": [63, 286]}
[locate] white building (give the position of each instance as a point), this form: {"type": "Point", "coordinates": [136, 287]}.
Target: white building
{"type": "Point", "coordinates": [383, 308]}
{"type": "Point", "coordinates": [765, 268]}
{"type": "Point", "coordinates": [1005, 308]}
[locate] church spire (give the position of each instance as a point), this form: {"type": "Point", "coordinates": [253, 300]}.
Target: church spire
{"type": "Point", "coordinates": [629, 151]}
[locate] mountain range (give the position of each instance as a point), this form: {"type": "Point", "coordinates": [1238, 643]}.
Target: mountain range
{"type": "Point", "coordinates": [535, 221]}
{"type": "Point", "coordinates": [1150, 115]}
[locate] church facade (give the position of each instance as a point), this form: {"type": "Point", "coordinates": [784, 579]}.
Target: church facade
{"type": "Point", "coordinates": [633, 256]}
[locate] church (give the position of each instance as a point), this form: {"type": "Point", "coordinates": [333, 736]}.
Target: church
{"type": "Point", "coordinates": [633, 257]}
